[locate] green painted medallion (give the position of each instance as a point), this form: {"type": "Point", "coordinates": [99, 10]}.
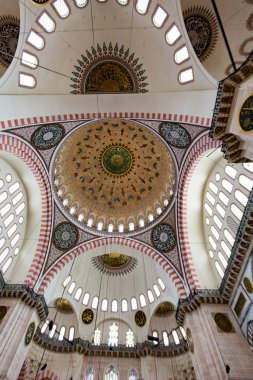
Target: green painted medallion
{"type": "Point", "coordinates": [117, 160]}
{"type": "Point", "coordinates": [246, 115]}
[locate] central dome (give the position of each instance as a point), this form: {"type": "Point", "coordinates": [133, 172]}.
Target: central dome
{"type": "Point", "coordinates": [113, 175]}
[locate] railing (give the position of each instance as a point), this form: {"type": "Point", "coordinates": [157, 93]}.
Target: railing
{"type": "Point", "coordinates": [84, 346]}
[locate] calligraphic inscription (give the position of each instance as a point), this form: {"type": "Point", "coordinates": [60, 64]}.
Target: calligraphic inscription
{"type": "Point", "coordinates": [246, 115]}
{"type": "Point", "coordinates": [29, 333]}
{"type": "Point", "coordinates": [87, 316]}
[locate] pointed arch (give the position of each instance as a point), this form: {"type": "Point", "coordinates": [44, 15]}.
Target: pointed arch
{"type": "Point", "coordinates": [20, 149]}
{"type": "Point", "coordinates": [100, 242]}
{"type": "Point", "coordinates": [197, 151]}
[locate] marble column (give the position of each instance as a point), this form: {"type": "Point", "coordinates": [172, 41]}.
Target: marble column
{"type": "Point", "coordinates": [13, 328]}
{"type": "Point", "coordinates": [214, 349]}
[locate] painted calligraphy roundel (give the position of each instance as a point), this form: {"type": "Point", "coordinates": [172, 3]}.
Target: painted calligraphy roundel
{"type": "Point", "coordinates": [246, 115]}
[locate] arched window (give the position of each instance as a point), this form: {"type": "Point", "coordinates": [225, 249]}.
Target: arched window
{"type": "Point", "coordinates": [104, 306]}
{"type": "Point", "coordinates": [62, 332]}
{"type": "Point", "coordinates": [175, 337]}
{"type": "Point", "coordinates": [89, 374]}
{"type": "Point", "coordinates": [52, 332]}
{"type": "Point", "coordinates": [71, 333]}
{"type": "Point", "coordinates": [124, 306]}
{"type": "Point", "coordinates": [94, 304]}
{"type": "Point", "coordinates": [114, 306]}
{"type": "Point", "coordinates": [97, 337]}
{"type": "Point", "coordinates": [143, 301]}
{"type": "Point", "coordinates": [61, 8]}
{"type": "Point", "coordinates": [157, 291]}
{"type": "Point", "coordinates": [133, 303]}
{"type": "Point", "coordinates": [86, 298]}
{"type": "Point", "coordinates": [72, 287]}
{"type": "Point", "coordinates": [161, 283]}
{"type": "Point", "coordinates": [150, 296]}
{"type": "Point", "coordinates": [165, 338]}
{"type": "Point", "coordinates": [78, 294]}
{"type": "Point", "coordinates": [129, 338]}
{"type": "Point", "coordinates": [155, 335]}
{"type": "Point", "coordinates": [132, 374]}
{"type": "Point", "coordinates": [67, 281]}
{"type": "Point", "coordinates": [44, 326]}
{"type": "Point", "coordinates": [113, 335]}
{"type": "Point", "coordinates": [111, 373]}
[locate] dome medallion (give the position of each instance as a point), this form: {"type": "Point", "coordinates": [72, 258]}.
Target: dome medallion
{"type": "Point", "coordinates": [117, 160]}
{"type": "Point", "coordinates": [113, 177]}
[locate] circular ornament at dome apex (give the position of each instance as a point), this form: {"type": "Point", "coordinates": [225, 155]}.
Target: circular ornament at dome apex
{"type": "Point", "coordinates": [164, 238]}
{"type": "Point", "coordinates": [223, 322]}
{"type": "Point", "coordinates": [114, 264]}
{"type": "Point", "coordinates": [65, 236]}
{"type": "Point", "coordinates": [9, 33]}
{"type": "Point", "coordinates": [87, 316]}
{"type": "Point", "coordinates": [246, 115]}
{"type": "Point", "coordinates": [202, 29]}
{"type": "Point", "coordinates": [64, 306]}
{"type": "Point", "coordinates": [117, 160]}
{"type": "Point", "coordinates": [108, 69]}
{"type": "Point", "coordinates": [175, 134]}
{"type": "Point", "coordinates": [140, 318]}
{"type": "Point", "coordinates": [47, 136]}
{"type": "Point", "coordinates": [29, 333]}
{"type": "Point", "coordinates": [113, 171]}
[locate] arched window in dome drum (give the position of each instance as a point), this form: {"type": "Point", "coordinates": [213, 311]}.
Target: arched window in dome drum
{"type": "Point", "coordinates": [150, 296]}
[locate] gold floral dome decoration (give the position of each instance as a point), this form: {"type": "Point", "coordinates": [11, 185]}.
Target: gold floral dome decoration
{"type": "Point", "coordinates": [113, 171]}
{"type": "Point", "coordinates": [64, 306]}
{"type": "Point", "coordinates": [114, 264]}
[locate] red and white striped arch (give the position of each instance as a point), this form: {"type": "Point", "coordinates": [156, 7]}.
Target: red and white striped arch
{"type": "Point", "coordinates": [47, 375]}
{"type": "Point", "coordinates": [22, 374]}
{"type": "Point", "coordinates": [198, 151]}
{"type": "Point", "coordinates": [91, 245]}
{"type": "Point", "coordinates": [18, 148]}
{"type": "Point", "coordinates": [179, 118]}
